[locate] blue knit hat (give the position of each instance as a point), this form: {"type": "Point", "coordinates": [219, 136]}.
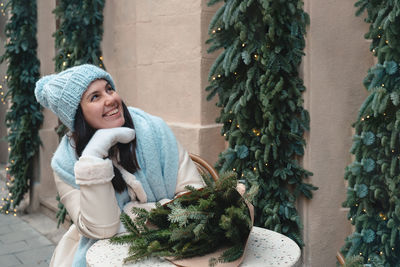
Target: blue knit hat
{"type": "Point", "coordinates": [62, 92]}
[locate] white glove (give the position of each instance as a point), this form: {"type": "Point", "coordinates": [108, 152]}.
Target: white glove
{"type": "Point", "coordinates": [104, 139]}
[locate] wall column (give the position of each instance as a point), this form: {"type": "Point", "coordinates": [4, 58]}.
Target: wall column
{"type": "Point", "coordinates": [336, 62]}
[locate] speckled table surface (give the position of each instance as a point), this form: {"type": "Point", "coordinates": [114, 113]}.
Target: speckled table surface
{"type": "Point", "coordinates": [265, 248]}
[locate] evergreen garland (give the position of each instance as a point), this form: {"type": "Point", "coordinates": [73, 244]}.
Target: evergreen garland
{"type": "Point", "coordinates": [373, 194]}
{"type": "Point", "coordinates": [78, 37]}
{"type": "Point", "coordinates": [194, 224]}
{"type": "Point", "coordinates": [260, 95]}
{"type": "Point", "coordinates": [24, 116]}
{"type": "Point", "coordinates": [78, 41]}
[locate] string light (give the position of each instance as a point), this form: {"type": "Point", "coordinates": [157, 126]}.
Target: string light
{"type": "Point", "coordinates": [387, 42]}
{"type": "Point", "coordinates": [68, 55]}
{"type": "Point", "coordinates": [381, 253]}
{"type": "Point", "coordinates": [64, 63]}
{"type": "Point", "coordinates": [383, 85]}
{"type": "Point", "coordinates": [255, 57]}
{"type": "Point", "coordinates": [219, 75]}
{"type": "Point", "coordinates": [234, 169]}
{"type": "Point", "coordinates": [237, 126]}
{"type": "Point", "coordinates": [243, 45]}
{"type": "Point", "coordinates": [101, 58]}
{"type": "Point", "coordinates": [254, 169]}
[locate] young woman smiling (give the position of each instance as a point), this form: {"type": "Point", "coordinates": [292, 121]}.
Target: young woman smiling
{"type": "Point", "coordinates": [113, 158]}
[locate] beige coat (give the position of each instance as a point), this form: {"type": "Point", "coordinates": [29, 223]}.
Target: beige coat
{"type": "Point", "coordinates": [93, 208]}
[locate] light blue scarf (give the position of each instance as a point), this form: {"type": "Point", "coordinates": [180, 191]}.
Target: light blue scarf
{"type": "Point", "coordinates": [157, 155]}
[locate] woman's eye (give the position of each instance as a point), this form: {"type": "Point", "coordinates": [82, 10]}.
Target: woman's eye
{"type": "Point", "coordinates": [109, 88]}
{"type": "Point", "coordinates": [94, 97]}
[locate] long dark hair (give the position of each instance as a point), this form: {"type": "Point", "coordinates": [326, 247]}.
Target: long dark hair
{"type": "Point", "coordinates": [127, 156]}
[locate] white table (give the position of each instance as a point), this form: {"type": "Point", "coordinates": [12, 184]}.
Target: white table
{"type": "Point", "coordinates": [265, 248]}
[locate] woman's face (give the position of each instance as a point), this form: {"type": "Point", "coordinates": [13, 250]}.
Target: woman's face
{"type": "Point", "coordinates": [102, 106]}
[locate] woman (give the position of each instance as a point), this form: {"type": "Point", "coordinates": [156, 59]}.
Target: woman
{"type": "Point", "coordinates": [113, 158]}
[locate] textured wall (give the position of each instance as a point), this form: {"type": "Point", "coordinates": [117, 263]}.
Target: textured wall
{"type": "Point", "coordinates": [337, 59]}
{"type": "Point", "coordinates": [156, 53]}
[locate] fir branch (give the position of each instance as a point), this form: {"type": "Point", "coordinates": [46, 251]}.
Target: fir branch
{"type": "Point", "coordinates": [259, 92]}
{"type": "Point", "coordinates": [373, 182]}
{"type": "Point", "coordinates": [194, 224]}
{"type": "Point", "coordinates": [24, 117]}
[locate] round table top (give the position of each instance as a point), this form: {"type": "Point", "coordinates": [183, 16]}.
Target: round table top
{"type": "Point", "coordinates": [264, 248]}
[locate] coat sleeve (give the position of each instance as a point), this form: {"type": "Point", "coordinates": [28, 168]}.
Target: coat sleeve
{"type": "Point", "coordinates": [93, 208]}
{"type": "Point", "coordinates": [187, 172]}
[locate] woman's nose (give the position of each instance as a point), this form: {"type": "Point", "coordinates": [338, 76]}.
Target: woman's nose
{"type": "Point", "coordinates": [109, 100]}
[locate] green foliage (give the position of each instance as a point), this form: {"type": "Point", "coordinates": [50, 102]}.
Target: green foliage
{"type": "Point", "coordinates": [354, 261]}
{"type": "Point", "coordinates": [78, 37]}
{"type": "Point", "coordinates": [260, 95]}
{"type": "Point", "coordinates": [78, 41]}
{"type": "Point", "coordinates": [373, 194]}
{"type": "Point", "coordinates": [24, 116]}
{"type": "Point", "coordinates": [193, 224]}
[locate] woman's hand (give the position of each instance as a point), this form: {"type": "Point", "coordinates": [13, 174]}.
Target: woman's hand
{"type": "Point", "coordinates": [104, 139]}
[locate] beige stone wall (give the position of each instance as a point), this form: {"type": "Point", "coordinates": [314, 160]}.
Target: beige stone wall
{"type": "Point", "coordinates": [337, 59]}
{"type": "Point", "coordinates": [44, 184]}
{"type": "Point", "coordinates": [155, 51]}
